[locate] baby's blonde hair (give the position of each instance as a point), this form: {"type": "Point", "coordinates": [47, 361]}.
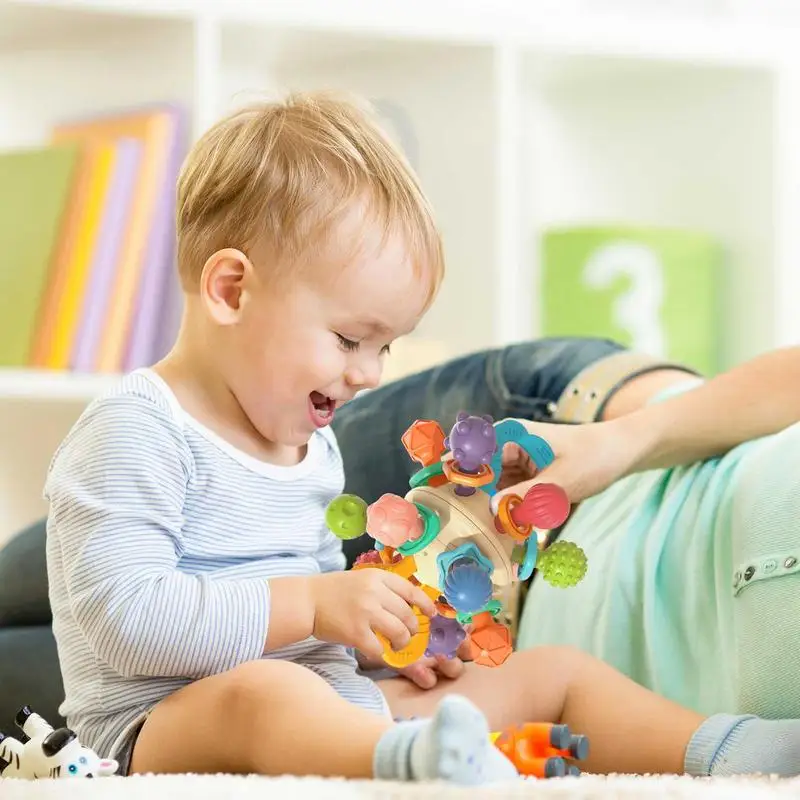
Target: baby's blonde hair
{"type": "Point", "coordinates": [281, 174]}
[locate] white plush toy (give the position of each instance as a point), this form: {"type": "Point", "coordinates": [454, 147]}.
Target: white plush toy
{"type": "Point", "coordinates": [48, 753]}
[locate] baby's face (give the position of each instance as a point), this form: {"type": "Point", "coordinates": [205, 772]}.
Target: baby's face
{"type": "Point", "coordinates": [313, 345]}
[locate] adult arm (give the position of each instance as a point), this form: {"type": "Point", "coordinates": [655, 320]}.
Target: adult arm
{"type": "Point", "coordinates": [755, 399]}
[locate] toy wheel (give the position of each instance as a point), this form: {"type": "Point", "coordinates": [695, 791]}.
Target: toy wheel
{"type": "Point", "coordinates": [454, 474]}
{"type": "Point", "coordinates": [505, 509]}
{"type": "Point", "coordinates": [444, 609]}
{"type": "Point", "coordinates": [414, 650]}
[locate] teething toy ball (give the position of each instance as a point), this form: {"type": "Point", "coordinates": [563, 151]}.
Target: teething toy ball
{"type": "Point", "coordinates": [346, 516]}
{"type": "Point", "coordinates": [444, 537]}
{"type": "Point", "coordinates": [467, 587]}
{"type": "Point", "coordinates": [392, 521]}
{"type": "Point", "coordinates": [473, 443]}
{"type": "Point", "coordinates": [563, 564]}
{"type": "Point", "coordinates": [446, 636]}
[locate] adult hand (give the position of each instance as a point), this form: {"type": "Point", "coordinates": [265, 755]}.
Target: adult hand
{"type": "Point", "coordinates": [427, 671]}
{"type": "Point", "coordinates": [588, 458]}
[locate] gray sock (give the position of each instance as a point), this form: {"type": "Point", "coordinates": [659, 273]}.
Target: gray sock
{"type": "Point", "coordinates": [453, 746]}
{"type": "Point", "coordinates": [741, 745]}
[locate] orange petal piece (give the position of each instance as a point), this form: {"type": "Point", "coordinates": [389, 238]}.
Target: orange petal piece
{"type": "Point", "coordinates": [424, 441]}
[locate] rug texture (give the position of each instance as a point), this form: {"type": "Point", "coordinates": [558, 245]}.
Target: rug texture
{"type": "Point", "coordinates": [197, 787]}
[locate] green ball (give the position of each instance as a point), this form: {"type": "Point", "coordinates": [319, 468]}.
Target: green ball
{"type": "Point", "coordinates": [346, 516]}
{"type": "Point", "coordinates": [563, 564]}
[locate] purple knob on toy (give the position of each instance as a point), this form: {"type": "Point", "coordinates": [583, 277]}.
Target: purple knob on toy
{"type": "Point", "coordinates": [472, 441]}
{"type": "Point", "coordinates": [446, 635]}
{"type": "Point", "coordinates": [467, 586]}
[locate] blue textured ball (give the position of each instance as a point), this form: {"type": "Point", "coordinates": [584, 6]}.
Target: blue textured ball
{"type": "Point", "coordinates": [467, 587]}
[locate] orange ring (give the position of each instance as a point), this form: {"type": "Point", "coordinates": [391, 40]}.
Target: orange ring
{"type": "Point", "coordinates": [504, 508]}
{"type": "Point", "coordinates": [454, 474]}
{"type": "Point", "coordinates": [444, 609]}
{"type": "Point", "coordinates": [416, 647]}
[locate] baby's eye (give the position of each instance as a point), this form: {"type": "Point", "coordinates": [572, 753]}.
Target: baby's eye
{"type": "Point", "coordinates": [347, 344]}
{"type": "Point", "coordinates": [73, 769]}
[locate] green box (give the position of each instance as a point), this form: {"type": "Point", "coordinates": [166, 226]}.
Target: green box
{"type": "Point", "coordinates": [656, 290]}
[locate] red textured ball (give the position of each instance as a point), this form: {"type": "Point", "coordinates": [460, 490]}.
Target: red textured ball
{"type": "Point", "coordinates": [545, 506]}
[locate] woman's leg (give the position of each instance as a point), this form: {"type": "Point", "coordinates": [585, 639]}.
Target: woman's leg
{"type": "Point", "coordinates": [630, 729]}
{"type": "Point", "coordinates": [275, 717]}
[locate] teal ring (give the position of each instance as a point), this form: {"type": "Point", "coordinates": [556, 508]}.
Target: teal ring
{"type": "Point", "coordinates": [432, 528]}
{"type": "Point", "coordinates": [422, 477]}
{"type": "Point", "coordinates": [529, 560]}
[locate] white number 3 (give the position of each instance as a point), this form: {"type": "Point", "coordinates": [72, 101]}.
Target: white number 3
{"type": "Point", "coordinates": [636, 310]}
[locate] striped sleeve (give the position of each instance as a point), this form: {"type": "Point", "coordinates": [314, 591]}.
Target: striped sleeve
{"type": "Point", "coordinates": [116, 490]}
{"type": "Point", "coordinates": [330, 556]}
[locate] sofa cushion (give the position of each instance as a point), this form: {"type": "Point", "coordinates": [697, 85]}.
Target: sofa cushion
{"type": "Point", "coordinates": [23, 579]}
{"type": "Point", "coordinates": [29, 675]}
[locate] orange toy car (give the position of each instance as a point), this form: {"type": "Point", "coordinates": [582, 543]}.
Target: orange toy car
{"type": "Point", "coordinates": [542, 749]}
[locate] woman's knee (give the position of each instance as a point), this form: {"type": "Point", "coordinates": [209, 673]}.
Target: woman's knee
{"type": "Point", "coordinates": [536, 664]}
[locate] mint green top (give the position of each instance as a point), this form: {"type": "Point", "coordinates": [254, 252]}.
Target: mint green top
{"type": "Point", "coordinates": [693, 585]}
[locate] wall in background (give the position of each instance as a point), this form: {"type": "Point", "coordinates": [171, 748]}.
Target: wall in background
{"type": "Point", "coordinates": [521, 118]}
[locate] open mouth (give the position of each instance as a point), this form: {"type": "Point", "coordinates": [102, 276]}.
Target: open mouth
{"type": "Point", "coordinates": [321, 408]}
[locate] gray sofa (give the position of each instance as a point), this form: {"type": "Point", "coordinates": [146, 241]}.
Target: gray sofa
{"type": "Point", "coordinates": [29, 671]}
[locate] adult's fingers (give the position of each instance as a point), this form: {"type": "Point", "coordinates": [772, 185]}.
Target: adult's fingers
{"type": "Point", "coordinates": [451, 668]}
{"type": "Point", "coordinates": [421, 674]}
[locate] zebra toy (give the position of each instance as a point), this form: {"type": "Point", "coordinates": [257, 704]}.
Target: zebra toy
{"type": "Point", "coordinates": [44, 752]}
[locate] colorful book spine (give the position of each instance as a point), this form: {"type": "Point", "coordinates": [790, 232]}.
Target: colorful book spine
{"type": "Point", "coordinates": [45, 330]}
{"type": "Point", "coordinates": [67, 318]}
{"type": "Point", "coordinates": [113, 341]}
{"type": "Point", "coordinates": [153, 315]}
{"type": "Point", "coordinates": [97, 295]}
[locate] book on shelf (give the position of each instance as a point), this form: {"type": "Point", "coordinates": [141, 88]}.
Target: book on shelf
{"type": "Point", "coordinates": [92, 280]}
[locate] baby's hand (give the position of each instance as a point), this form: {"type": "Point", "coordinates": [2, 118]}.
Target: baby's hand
{"type": "Point", "coordinates": [351, 607]}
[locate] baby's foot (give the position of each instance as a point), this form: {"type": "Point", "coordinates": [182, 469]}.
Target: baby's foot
{"type": "Point", "coordinates": [455, 746]}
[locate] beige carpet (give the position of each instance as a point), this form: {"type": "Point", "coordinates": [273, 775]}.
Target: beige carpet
{"type": "Point", "coordinates": [194, 787]}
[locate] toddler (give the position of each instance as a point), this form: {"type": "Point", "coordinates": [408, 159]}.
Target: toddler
{"type": "Point", "coordinates": [203, 617]}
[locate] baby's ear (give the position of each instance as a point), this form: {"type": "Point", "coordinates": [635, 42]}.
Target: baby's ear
{"type": "Point", "coordinates": [223, 283]}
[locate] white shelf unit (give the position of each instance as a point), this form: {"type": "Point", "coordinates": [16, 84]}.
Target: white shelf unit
{"type": "Point", "coordinates": [518, 116]}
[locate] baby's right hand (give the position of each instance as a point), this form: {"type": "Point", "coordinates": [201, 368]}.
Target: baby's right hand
{"type": "Point", "coordinates": [350, 607]}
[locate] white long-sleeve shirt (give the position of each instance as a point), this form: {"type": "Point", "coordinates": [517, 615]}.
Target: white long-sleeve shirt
{"type": "Point", "coordinates": [161, 540]}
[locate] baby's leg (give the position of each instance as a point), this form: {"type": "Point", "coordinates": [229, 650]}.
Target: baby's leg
{"type": "Point", "coordinates": [630, 729]}
{"type": "Point", "coordinates": [276, 717]}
